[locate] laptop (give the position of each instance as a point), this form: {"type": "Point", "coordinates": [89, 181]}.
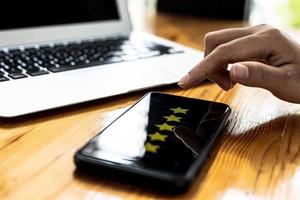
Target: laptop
{"type": "Point", "coordinates": [55, 53]}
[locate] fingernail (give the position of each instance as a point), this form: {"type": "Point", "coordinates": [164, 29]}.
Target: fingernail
{"type": "Point", "coordinates": [184, 80]}
{"type": "Point", "coordinates": [240, 72]}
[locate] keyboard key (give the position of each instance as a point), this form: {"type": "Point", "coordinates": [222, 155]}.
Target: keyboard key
{"type": "Point", "coordinates": [31, 68]}
{"type": "Point", "coordinates": [63, 68]}
{"type": "Point", "coordinates": [44, 48]}
{"type": "Point", "coordinates": [59, 46]}
{"type": "Point", "coordinates": [13, 70]}
{"type": "Point", "coordinates": [15, 51]}
{"type": "Point", "coordinates": [37, 73]}
{"type": "Point", "coordinates": [3, 78]}
{"type": "Point", "coordinates": [17, 75]}
{"type": "Point", "coordinates": [110, 60]}
{"type": "Point", "coordinates": [2, 54]}
{"type": "Point", "coordinates": [30, 50]}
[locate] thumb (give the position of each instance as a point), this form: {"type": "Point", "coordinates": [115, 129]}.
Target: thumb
{"type": "Point", "coordinates": [256, 74]}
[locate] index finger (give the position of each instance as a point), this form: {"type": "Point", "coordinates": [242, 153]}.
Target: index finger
{"type": "Point", "coordinates": [248, 48]}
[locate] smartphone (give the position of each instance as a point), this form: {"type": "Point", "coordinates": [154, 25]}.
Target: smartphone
{"type": "Point", "coordinates": [161, 141]}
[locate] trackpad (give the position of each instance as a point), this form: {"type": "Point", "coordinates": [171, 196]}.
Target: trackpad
{"type": "Point", "coordinates": [131, 78]}
{"type": "Point", "coordinates": [150, 77]}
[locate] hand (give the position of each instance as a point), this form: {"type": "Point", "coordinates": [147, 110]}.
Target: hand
{"type": "Point", "coordinates": [261, 56]}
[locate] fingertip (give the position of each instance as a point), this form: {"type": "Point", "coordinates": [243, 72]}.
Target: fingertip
{"type": "Point", "coordinates": [182, 86]}
{"type": "Point", "coordinates": [226, 87]}
{"type": "Point", "coordinates": [183, 83]}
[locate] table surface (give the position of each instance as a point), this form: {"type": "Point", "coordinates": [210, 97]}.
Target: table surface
{"type": "Point", "coordinates": [257, 157]}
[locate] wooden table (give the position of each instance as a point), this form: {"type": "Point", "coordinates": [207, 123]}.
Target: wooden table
{"type": "Point", "coordinates": [258, 156]}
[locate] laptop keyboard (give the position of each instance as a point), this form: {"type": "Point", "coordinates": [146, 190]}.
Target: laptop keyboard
{"type": "Point", "coordinates": [59, 57]}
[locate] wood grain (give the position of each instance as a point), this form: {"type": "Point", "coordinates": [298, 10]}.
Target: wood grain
{"type": "Point", "coordinates": [258, 156]}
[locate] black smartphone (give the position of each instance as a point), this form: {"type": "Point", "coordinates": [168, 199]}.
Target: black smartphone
{"type": "Point", "coordinates": [161, 141]}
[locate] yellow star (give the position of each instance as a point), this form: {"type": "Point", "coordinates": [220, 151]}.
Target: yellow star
{"type": "Point", "coordinates": [173, 118]}
{"type": "Point", "coordinates": [151, 148]}
{"type": "Point", "coordinates": [179, 110]}
{"type": "Point", "coordinates": [158, 136]}
{"type": "Point", "coordinates": [165, 127]}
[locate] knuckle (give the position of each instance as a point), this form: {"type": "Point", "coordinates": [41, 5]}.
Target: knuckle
{"type": "Point", "coordinates": [262, 74]}
{"type": "Point", "coordinates": [210, 41]}
{"type": "Point", "coordinates": [264, 78]}
{"type": "Point", "coordinates": [258, 28]}
{"type": "Point", "coordinates": [291, 74]}
{"type": "Point", "coordinates": [272, 33]}
{"type": "Point", "coordinates": [209, 37]}
{"type": "Point", "coordinates": [263, 26]}
{"type": "Point", "coordinates": [194, 71]}
{"type": "Point", "coordinates": [223, 52]}
{"type": "Point", "coordinates": [198, 72]}
{"type": "Point", "coordinates": [223, 48]}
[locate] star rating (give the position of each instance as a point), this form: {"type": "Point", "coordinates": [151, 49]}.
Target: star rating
{"type": "Point", "coordinates": [165, 127]}
{"type": "Point", "coordinates": [173, 118]}
{"type": "Point", "coordinates": [161, 139]}
{"type": "Point", "coordinates": [179, 110]}
{"type": "Point", "coordinates": [151, 148]}
{"type": "Point", "coordinates": [157, 136]}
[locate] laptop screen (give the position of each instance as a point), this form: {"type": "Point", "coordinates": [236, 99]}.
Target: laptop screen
{"type": "Point", "coordinates": [32, 13]}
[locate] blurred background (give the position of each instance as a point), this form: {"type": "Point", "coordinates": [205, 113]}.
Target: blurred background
{"type": "Point", "coordinates": [180, 15]}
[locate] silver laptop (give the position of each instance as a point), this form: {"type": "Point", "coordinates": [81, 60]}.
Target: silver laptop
{"type": "Point", "coordinates": [56, 53]}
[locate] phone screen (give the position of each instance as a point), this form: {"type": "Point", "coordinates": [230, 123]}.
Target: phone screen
{"type": "Point", "coordinates": [161, 132]}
